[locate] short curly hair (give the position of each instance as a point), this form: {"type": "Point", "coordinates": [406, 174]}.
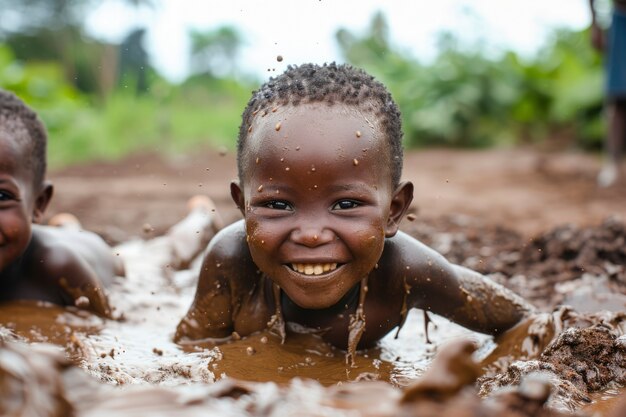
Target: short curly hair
{"type": "Point", "coordinates": [330, 83]}
{"type": "Point", "coordinates": [22, 124]}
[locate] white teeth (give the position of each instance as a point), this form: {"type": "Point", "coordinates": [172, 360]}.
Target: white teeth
{"type": "Point", "coordinates": [314, 269]}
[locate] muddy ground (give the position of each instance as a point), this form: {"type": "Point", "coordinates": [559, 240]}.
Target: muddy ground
{"type": "Point", "coordinates": [532, 220]}
{"type": "Point", "coordinates": [527, 191]}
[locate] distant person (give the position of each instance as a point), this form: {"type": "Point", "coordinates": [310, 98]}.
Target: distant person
{"type": "Point", "coordinates": [319, 161]}
{"type": "Point", "coordinates": [134, 62]}
{"type": "Point", "coordinates": [63, 265]}
{"type": "Point", "coordinates": [613, 44]}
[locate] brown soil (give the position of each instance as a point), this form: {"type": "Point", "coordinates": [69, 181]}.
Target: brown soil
{"type": "Point", "coordinates": [525, 190]}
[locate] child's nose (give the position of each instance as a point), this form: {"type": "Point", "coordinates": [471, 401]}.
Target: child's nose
{"type": "Point", "coordinates": [312, 236]}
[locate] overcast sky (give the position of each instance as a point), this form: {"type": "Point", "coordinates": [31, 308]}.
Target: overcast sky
{"type": "Point", "coordinates": [303, 30]}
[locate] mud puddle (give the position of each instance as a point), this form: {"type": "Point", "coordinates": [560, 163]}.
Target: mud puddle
{"type": "Point", "coordinates": [131, 367]}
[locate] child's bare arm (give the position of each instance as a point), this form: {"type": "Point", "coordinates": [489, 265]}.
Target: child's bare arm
{"type": "Point", "coordinates": [77, 280]}
{"type": "Point", "coordinates": [489, 307]}
{"type": "Point", "coordinates": [459, 294]}
{"type": "Point", "coordinates": [211, 313]}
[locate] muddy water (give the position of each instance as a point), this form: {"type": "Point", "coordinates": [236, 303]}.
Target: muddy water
{"type": "Point", "coordinates": [131, 367]}
{"type": "Point", "coordinates": [137, 346]}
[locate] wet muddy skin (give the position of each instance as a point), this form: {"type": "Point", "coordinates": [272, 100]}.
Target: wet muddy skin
{"type": "Point", "coordinates": [568, 361]}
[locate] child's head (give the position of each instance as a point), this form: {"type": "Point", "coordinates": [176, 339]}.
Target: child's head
{"type": "Point", "coordinates": [20, 125]}
{"type": "Point", "coordinates": [330, 84]}
{"type": "Point", "coordinates": [24, 195]}
{"type": "Point", "coordinates": [320, 159]}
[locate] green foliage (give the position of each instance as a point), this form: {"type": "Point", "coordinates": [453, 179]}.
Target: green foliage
{"type": "Point", "coordinates": [170, 118]}
{"type": "Point", "coordinates": [466, 98]}
{"type": "Point", "coordinates": [214, 52]}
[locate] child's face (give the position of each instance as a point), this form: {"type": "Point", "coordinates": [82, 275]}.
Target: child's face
{"type": "Point", "coordinates": [19, 204]}
{"type": "Point", "coordinates": [318, 200]}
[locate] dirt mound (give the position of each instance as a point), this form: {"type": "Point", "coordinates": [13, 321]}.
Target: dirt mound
{"type": "Point", "coordinates": [587, 357]}
{"type": "Point", "coordinates": [533, 267]}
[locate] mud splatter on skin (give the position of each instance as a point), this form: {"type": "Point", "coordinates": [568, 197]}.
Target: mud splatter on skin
{"type": "Point", "coordinates": [356, 328]}
{"type": "Point", "coordinates": [88, 292]}
{"type": "Point", "coordinates": [277, 322]}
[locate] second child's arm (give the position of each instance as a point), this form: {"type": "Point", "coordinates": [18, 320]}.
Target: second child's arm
{"type": "Point", "coordinates": [78, 282]}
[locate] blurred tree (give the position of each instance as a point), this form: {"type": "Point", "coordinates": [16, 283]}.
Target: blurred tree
{"type": "Point", "coordinates": [215, 52]}
{"type": "Point", "coordinates": [52, 30]}
{"type": "Point", "coordinates": [467, 97]}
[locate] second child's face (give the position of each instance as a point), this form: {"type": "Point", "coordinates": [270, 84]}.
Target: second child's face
{"type": "Point", "coordinates": [18, 202]}
{"type": "Point", "coordinates": [318, 200]}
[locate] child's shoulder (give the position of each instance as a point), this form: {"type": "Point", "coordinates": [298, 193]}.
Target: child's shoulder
{"type": "Point", "coordinates": [62, 251]}
{"type": "Point", "coordinates": [228, 257]}
{"type": "Point", "coordinates": [76, 261]}
{"type": "Point", "coordinates": [54, 249]}
{"type": "Point", "coordinates": [230, 243]}
{"type": "Point", "coordinates": [404, 250]}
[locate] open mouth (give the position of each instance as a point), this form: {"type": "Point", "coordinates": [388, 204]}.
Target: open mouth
{"type": "Point", "coordinates": [314, 269]}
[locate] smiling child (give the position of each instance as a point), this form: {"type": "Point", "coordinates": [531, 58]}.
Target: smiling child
{"type": "Point", "coordinates": [61, 265]}
{"type": "Point", "coordinates": [319, 161]}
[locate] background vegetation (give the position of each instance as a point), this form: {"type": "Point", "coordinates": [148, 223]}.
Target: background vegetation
{"type": "Point", "coordinates": [102, 101]}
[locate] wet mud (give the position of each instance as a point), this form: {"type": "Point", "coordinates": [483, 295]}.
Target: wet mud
{"type": "Point", "coordinates": [568, 360]}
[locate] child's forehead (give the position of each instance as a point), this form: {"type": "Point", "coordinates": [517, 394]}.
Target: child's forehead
{"type": "Point", "coordinates": [10, 147]}
{"type": "Point", "coordinates": [314, 139]}
{"type": "Point", "coordinates": [13, 133]}
{"type": "Point", "coordinates": [13, 151]}
{"type": "Point", "coordinates": [313, 126]}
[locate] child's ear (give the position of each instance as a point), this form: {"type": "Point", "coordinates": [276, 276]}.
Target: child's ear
{"type": "Point", "coordinates": [400, 202]}
{"type": "Point", "coordinates": [42, 201]}
{"type": "Point", "coordinates": [237, 195]}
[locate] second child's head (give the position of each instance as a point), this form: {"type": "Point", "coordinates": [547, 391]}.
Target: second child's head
{"type": "Point", "coordinates": [319, 160]}
{"type": "Point", "coordinates": [24, 194]}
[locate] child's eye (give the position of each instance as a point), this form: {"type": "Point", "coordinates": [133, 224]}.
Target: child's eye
{"type": "Point", "coordinates": [345, 205]}
{"type": "Point", "coordinates": [279, 205]}
{"type": "Point", "coordinates": [5, 196]}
